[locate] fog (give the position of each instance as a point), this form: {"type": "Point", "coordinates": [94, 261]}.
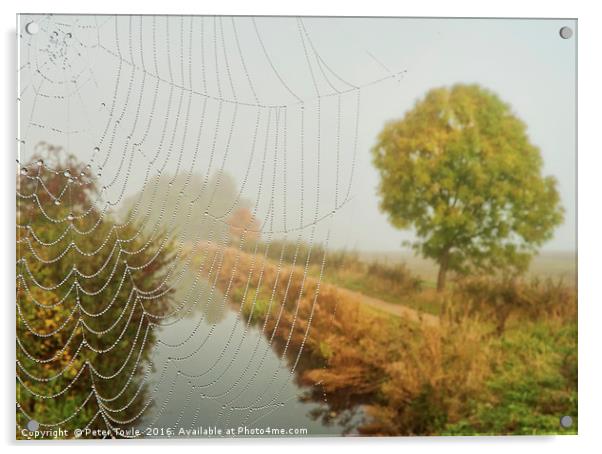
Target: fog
{"type": "Point", "coordinates": [288, 109]}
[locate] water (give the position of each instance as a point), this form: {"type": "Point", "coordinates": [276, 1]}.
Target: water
{"type": "Point", "coordinates": [216, 376]}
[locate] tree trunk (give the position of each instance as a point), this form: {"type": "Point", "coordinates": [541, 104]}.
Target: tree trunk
{"type": "Point", "coordinates": [443, 264]}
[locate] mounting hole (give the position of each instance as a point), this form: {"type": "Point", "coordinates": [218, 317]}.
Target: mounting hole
{"type": "Point", "coordinates": [566, 32]}
{"type": "Point", "coordinates": [32, 28]}
{"type": "Point", "coordinates": [566, 421]}
{"type": "Point", "coordinates": [33, 425]}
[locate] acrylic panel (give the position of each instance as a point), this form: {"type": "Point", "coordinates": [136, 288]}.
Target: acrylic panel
{"type": "Point", "coordinates": [295, 226]}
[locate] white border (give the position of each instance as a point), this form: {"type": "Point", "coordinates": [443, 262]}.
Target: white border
{"type": "Point", "coordinates": [589, 226]}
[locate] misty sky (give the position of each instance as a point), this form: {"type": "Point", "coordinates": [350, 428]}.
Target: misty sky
{"type": "Point", "coordinates": [210, 109]}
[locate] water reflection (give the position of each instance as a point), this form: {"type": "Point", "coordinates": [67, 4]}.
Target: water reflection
{"type": "Point", "coordinates": [213, 371]}
{"type": "Point", "coordinates": [204, 302]}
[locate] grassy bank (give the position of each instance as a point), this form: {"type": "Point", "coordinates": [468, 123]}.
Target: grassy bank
{"type": "Point", "coordinates": [469, 374]}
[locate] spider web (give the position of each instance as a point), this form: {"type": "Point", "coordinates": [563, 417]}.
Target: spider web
{"type": "Point", "coordinates": [193, 101]}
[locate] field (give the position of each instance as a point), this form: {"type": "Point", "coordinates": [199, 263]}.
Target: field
{"type": "Point", "coordinates": [554, 264]}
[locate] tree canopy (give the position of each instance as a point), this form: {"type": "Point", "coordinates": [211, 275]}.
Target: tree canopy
{"type": "Point", "coordinates": [181, 203]}
{"type": "Point", "coordinates": [460, 170]}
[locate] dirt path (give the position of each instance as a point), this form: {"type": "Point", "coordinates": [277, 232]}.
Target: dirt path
{"type": "Point", "coordinates": [352, 296]}
{"type": "Point", "coordinates": [394, 309]}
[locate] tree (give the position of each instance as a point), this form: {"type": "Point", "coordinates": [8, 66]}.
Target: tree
{"type": "Point", "coordinates": [242, 222]}
{"type": "Point", "coordinates": [71, 336]}
{"type": "Point", "coordinates": [459, 168]}
{"type": "Point", "coordinates": [193, 205]}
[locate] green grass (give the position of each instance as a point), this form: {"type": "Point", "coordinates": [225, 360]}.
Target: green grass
{"type": "Point", "coordinates": [531, 388]}
{"type": "Point", "coordinates": [363, 285]}
{"type": "Point", "coordinates": [374, 287]}
{"type": "Point", "coordinates": [256, 305]}
{"type": "Point", "coordinates": [429, 304]}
